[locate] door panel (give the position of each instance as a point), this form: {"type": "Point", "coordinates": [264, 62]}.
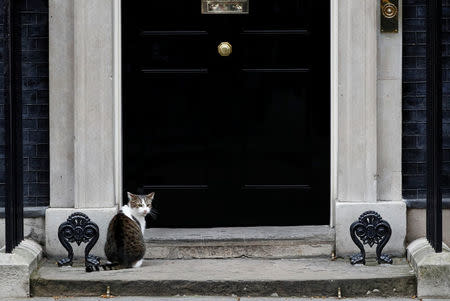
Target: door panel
{"type": "Point", "coordinates": [282, 51]}
{"type": "Point", "coordinates": [227, 141]}
{"type": "Point", "coordinates": [169, 49]}
{"type": "Point", "coordinates": [276, 113]}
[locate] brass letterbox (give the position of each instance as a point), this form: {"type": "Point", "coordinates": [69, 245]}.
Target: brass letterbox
{"type": "Point", "coordinates": [225, 6]}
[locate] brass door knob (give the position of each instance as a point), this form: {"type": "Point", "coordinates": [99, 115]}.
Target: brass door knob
{"type": "Point", "coordinates": [225, 49]}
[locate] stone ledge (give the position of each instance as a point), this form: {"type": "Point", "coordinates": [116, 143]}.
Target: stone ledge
{"type": "Point", "coordinates": [28, 212]}
{"type": "Point", "coordinates": [432, 269]}
{"type": "Point", "coordinates": [422, 203]}
{"type": "Point", "coordinates": [16, 269]}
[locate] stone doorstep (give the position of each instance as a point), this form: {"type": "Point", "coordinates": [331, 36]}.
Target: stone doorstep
{"type": "Point", "coordinates": [252, 242]}
{"type": "Point", "coordinates": [227, 277]}
{"type": "Point", "coordinates": [213, 298]}
{"type": "Point", "coordinates": [432, 269]}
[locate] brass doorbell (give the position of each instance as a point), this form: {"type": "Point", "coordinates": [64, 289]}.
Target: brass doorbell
{"type": "Point", "coordinates": [389, 15]}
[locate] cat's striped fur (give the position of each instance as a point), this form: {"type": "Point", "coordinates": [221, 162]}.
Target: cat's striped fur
{"type": "Point", "coordinates": [125, 246]}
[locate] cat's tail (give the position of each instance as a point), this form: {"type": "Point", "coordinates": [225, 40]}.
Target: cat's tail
{"type": "Point", "coordinates": [110, 266]}
{"type": "Point", "coordinates": [105, 267]}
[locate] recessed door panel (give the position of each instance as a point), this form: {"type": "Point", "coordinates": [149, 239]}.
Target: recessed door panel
{"type": "Point", "coordinates": [277, 128]}
{"type": "Point", "coordinates": [172, 49]}
{"type": "Point", "coordinates": [275, 51]}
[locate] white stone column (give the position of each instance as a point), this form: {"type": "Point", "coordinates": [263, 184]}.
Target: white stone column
{"type": "Point", "coordinates": [369, 143]}
{"type": "Point", "coordinates": [61, 65]}
{"type": "Point", "coordinates": [84, 155]}
{"type": "Point", "coordinates": [94, 104]}
{"type": "Point", "coordinates": [357, 162]}
{"type": "Point", "coordinates": [390, 114]}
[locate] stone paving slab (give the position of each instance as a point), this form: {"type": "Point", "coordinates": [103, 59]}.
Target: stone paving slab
{"type": "Point", "coordinates": [227, 277]}
{"type": "Point", "coordinates": [212, 298]}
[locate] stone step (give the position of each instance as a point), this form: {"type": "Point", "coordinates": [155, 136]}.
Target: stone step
{"type": "Point", "coordinates": [308, 277]}
{"type": "Point", "coordinates": [249, 242]}
{"type": "Point", "coordinates": [209, 298]}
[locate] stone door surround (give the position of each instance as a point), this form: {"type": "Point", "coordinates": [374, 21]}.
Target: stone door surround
{"type": "Point", "coordinates": [85, 115]}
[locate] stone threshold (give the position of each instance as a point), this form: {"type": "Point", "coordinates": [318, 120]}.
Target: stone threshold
{"type": "Point", "coordinates": [306, 233]}
{"type": "Point", "coordinates": [231, 277]}
{"type": "Point", "coordinates": [252, 242]}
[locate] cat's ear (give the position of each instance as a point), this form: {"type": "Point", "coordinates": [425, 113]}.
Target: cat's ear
{"type": "Point", "coordinates": [131, 196]}
{"type": "Point", "coordinates": [150, 196]}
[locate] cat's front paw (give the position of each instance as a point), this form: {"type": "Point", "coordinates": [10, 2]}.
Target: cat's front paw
{"type": "Point", "coordinates": [138, 264]}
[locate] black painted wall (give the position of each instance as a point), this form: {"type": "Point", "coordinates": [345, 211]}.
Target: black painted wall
{"type": "Point", "coordinates": [414, 92]}
{"type": "Point", "coordinates": [34, 27]}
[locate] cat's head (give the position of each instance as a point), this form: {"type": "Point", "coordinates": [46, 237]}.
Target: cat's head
{"type": "Point", "coordinates": [140, 204]}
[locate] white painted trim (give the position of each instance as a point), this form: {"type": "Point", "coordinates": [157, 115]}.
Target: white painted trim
{"type": "Point", "coordinates": [334, 98]}
{"type": "Point", "coordinates": [117, 25]}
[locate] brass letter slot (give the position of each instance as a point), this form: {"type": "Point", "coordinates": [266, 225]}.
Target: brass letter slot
{"type": "Point", "coordinates": [225, 6]}
{"type": "Point", "coordinates": [389, 15]}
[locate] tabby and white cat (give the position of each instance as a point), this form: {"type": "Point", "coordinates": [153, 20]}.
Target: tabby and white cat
{"type": "Point", "coordinates": [125, 246]}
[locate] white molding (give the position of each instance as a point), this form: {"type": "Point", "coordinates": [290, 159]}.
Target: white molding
{"type": "Point", "coordinates": [117, 24]}
{"type": "Point", "coordinates": [334, 99]}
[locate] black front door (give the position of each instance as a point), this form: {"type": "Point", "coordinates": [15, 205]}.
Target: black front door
{"type": "Point", "coordinates": [238, 140]}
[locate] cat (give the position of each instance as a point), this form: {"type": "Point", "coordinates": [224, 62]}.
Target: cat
{"type": "Point", "coordinates": [125, 246]}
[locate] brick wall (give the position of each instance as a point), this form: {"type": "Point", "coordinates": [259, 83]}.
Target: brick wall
{"type": "Point", "coordinates": [446, 99]}
{"type": "Point", "coordinates": [414, 102]}
{"type": "Point", "coordinates": [34, 26]}
{"type": "Point", "coordinates": [414, 93]}
{"type": "Point", "coordinates": [2, 110]}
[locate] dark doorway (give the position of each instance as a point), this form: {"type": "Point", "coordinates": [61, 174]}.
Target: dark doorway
{"type": "Point", "coordinates": [239, 140]}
